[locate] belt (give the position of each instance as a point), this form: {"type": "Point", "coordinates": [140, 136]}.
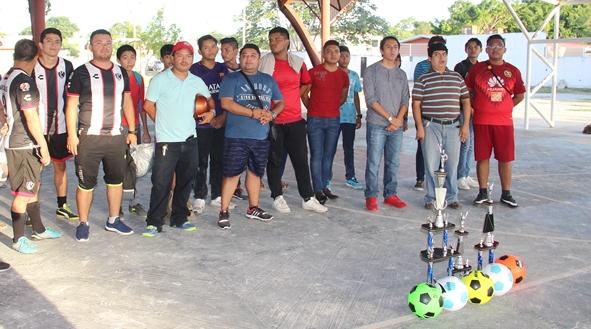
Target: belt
{"type": "Point", "coordinates": [441, 121]}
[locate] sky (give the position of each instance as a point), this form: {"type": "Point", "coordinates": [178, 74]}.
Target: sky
{"type": "Point", "coordinates": [194, 17]}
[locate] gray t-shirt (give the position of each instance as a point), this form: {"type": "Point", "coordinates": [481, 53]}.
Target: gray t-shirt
{"type": "Point", "coordinates": [389, 87]}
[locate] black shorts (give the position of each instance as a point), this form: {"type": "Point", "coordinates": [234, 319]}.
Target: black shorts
{"type": "Point", "coordinates": [58, 148]}
{"type": "Point", "coordinates": [25, 168]}
{"type": "Point", "coordinates": [94, 149]}
{"type": "Point", "coordinates": [240, 153]}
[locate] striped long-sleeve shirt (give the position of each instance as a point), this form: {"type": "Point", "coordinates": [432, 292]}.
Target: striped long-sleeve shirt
{"type": "Point", "coordinates": [440, 94]}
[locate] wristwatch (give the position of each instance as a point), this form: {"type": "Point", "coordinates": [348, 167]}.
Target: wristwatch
{"type": "Point", "coordinates": [390, 119]}
{"type": "Point", "coordinates": [359, 116]}
{"type": "Point", "coordinates": [273, 114]}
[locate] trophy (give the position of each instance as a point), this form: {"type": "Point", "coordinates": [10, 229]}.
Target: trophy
{"type": "Point", "coordinates": [487, 242]}
{"type": "Point", "coordinates": [461, 265]}
{"type": "Point", "coordinates": [440, 191]}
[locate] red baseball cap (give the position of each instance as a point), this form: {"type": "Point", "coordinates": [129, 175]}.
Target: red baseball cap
{"type": "Point", "coordinates": [183, 45]}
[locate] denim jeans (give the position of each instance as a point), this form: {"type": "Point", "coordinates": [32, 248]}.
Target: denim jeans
{"type": "Point", "coordinates": [466, 154]}
{"type": "Point", "coordinates": [448, 135]}
{"type": "Point", "coordinates": [389, 144]}
{"type": "Point", "coordinates": [348, 132]}
{"type": "Point", "coordinates": [323, 135]}
{"type": "Point", "coordinates": [170, 158]}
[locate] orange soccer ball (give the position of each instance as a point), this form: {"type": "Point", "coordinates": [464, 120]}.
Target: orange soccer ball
{"type": "Point", "coordinates": [516, 266]}
{"type": "Point", "coordinates": [201, 105]}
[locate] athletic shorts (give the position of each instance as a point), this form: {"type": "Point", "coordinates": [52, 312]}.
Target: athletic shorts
{"type": "Point", "coordinates": [94, 150]}
{"type": "Point", "coordinates": [58, 148]}
{"type": "Point", "coordinates": [24, 169]}
{"type": "Point", "coordinates": [499, 138]}
{"type": "Point", "coordinates": [240, 153]}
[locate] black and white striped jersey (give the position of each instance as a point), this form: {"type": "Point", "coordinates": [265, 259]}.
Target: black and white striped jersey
{"type": "Point", "coordinates": [100, 95]}
{"type": "Point", "coordinates": [18, 93]}
{"type": "Point", "coordinates": [51, 83]}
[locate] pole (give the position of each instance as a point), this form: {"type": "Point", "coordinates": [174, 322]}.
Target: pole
{"type": "Point", "coordinates": [555, 62]}
{"type": "Point", "coordinates": [325, 20]}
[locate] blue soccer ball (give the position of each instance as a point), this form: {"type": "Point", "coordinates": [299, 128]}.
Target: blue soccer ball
{"type": "Point", "coordinates": [501, 276]}
{"type": "Point", "coordinates": [455, 293]}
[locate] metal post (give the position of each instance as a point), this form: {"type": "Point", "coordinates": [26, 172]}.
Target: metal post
{"type": "Point", "coordinates": [325, 20]}
{"type": "Point", "coordinates": [527, 86]}
{"type": "Point", "coordinates": [555, 63]}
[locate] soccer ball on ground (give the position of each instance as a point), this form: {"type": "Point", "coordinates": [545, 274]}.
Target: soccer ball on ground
{"type": "Point", "coordinates": [455, 294]}
{"type": "Point", "coordinates": [425, 300]}
{"type": "Point", "coordinates": [516, 266]}
{"type": "Point", "coordinates": [480, 287]}
{"type": "Point", "coordinates": [501, 276]}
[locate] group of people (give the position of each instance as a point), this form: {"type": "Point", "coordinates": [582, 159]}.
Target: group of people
{"type": "Point", "coordinates": [253, 123]}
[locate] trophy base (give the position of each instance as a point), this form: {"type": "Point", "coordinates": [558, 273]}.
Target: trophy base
{"type": "Point", "coordinates": [463, 269]}
{"type": "Point", "coordinates": [461, 233]}
{"type": "Point", "coordinates": [433, 228]}
{"type": "Point", "coordinates": [437, 255]}
{"type": "Point", "coordinates": [482, 247]}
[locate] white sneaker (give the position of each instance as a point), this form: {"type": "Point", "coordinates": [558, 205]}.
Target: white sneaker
{"type": "Point", "coordinates": [463, 184]}
{"type": "Point", "coordinates": [198, 206]}
{"type": "Point", "coordinates": [218, 203]}
{"type": "Point", "coordinates": [472, 182]}
{"type": "Point", "coordinates": [280, 205]}
{"type": "Point", "coordinates": [314, 205]}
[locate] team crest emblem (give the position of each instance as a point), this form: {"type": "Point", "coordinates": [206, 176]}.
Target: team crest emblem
{"type": "Point", "coordinates": [508, 73]}
{"type": "Point", "coordinates": [40, 77]}
{"type": "Point", "coordinates": [118, 76]}
{"type": "Point", "coordinates": [95, 76]}
{"type": "Point", "coordinates": [29, 185]}
{"type": "Point", "coordinates": [62, 74]}
{"type": "Point", "coordinates": [25, 86]}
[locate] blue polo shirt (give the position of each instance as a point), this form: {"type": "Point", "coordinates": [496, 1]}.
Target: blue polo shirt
{"type": "Point", "coordinates": [175, 104]}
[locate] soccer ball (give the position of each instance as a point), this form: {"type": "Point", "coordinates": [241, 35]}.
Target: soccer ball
{"type": "Point", "coordinates": [501, 276]}
{"type": "Point", "coordinates": [425, 300]}
{"type": "Point", "coordinates": [516, 266]}
{"type": "Point", "coordinates": [455, 294]}
{"type": "Point", "coordinates": [480, 287]}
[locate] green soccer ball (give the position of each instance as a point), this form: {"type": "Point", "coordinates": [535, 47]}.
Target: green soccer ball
{"type": "Point", "coordinates": [425, 300]}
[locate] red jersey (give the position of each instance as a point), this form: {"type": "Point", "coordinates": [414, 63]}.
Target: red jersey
{"type": "Point", "coordinates": [492, 96]}
{"type": "Point", "coordinates": [289, 82]}
{"type": "Point", "coordinates": [137, 96]}
{"type": "Point", "coordinates": [326, 92]}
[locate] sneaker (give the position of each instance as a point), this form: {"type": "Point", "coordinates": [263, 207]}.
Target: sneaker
{"type": "Point", "coordinates": [472, 182]}
{"type": "Point", "coordinates": [314, 205]}
{"type": "Point", "coordinates": [463, 184]}
{"type": "Point", "coordinates": [24, 245]}
{"type": "Point", "coordinates": [4, 266]}
{"type": "Point", "coordinates": [280, 205]}
{"type": "Point", "coordinates": [198, 206]}
{"type": "Point", "coordinates": [118, 227]}
{"type": "Point", "coordinates": [224, 220]}
{"type": "Point", "coordinates": [320, 197]}
{"type": "Point", "coordinates": [218, 203]}
{"type": "Point", "coordinates": [419, 185]}
{"type": "Point", "coordinates": [66, 212]}
{"type": "Point", "coordinates": [455, 205]}
{"type": "Point", "coordinates": [329, 194]}
{"type": "Point", "coordinates": [354, 184]}
{"type": "Point", "coordinates": [394, 200]}
{"type": "Point", "coordinates": [150, 231]}
{"type": "Point", "coordinates": [482, 197]}
{"type": "Point", "coordinates": [258, 213]}
{"type": "Point", "coordinates": [82, 232]}
{"type": "Point", "coordinates": [429, 205]}
{"type": "Point", "coordinates": [138, 210]}
{"type": "Point", "coordinates": [186, 226]}
{"type": "Point", "coordinates": [508, 200]}
{"type": "Point", "coordinates": [238, 194]}
{"type": "Point", "coordinates": [48, 234]}
{"type": "Point", "coordinates": [371, 203]}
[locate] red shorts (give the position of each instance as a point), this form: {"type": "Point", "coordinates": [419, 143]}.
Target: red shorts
{"type": "Point", "coordinates": [499, 138]}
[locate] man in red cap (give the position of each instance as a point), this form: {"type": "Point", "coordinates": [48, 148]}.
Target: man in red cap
{"type": "Point", "coordinates": [170, 103]}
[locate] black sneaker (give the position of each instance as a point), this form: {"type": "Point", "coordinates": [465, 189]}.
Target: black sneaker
{"type": "Point", "coordinates": [138, 210]}
{"type": "Point", "coordinates": [66, 212]}
{"type": "Point", "coordinates": [224, 220]}
{"type": "Point", "coordinates": [508, 200]}
{"type": "Point", "coordinates": [238, 194]}
{"type": "Point", "coordinates": [320, 197]}
{"type": "Point", "coordinates": [419, 185]}
{"type": "Point", "coordinates": [4, 266]}
{"type": "Point", "coordinates": [482, 198]}
{"type": "Point", "coordinates": [258, 213]}
{"type": "Point", "coordinates": [329, 194]}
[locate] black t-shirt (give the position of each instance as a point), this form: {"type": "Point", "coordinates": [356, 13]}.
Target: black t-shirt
{"type": "Point", "coordinates": [100, 98]}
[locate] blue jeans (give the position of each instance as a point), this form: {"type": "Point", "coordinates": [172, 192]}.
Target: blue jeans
{"type": "Point", "coordinates": [381, 142]}
{"type": "Point", "coordinates": [348, 131]}
{"type": "Point", "coordinates": [323, 135]}
{"type": "Point", "coordinates": [466, 154]}
{"type": "Point", "coordinates": [448, 135]}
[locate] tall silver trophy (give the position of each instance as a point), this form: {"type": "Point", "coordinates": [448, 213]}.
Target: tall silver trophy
{"type": "Point", "coordinates": [440, 191]}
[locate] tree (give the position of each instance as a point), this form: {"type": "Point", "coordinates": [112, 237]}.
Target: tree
{"type": "Point", "coordinates": [409, 27]}
{"type": "Point", "coordinates": [258, 18]}
{"type": "Point", "coordinates": [157, 34]}
{"type": "Point", "coordinates": [126, 33]}
{"type": "Point", "coordinates": [66, 27]}
{"type": "Point", "coordinates": [359, 22]}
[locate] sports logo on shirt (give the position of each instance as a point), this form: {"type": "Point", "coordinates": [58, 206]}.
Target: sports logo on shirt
{"type": "Point", "coordinates": [493, 82]}
{"type": "Point", "coordinates": [508, 73]}
{"type": "Point", "coordinates": [118, 76]}
{"type": "Point", "coordinates": [95, 76]}
{"type": "Point", "coordinates": [62, 74]}
{"type": "Point", "coordinates": [25, 86]}
{"type": "Point", "coordinates": [40, 77]}
{"type": "Point", "coordinates": [29, 185]}
{"type": "Point", "coordinates": [27, 98]}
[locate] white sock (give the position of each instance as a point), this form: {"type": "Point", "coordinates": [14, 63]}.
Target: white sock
{"type": "Point", "coordinates": [112, 219]}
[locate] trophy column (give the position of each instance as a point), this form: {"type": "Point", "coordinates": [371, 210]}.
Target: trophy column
{"type": "Point", "coordinates": [487, 242]}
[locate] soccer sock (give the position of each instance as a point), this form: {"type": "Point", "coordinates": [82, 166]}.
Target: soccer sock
{"type": "Point", "coordinates": [112, 219]}
{"type": "Point", "coordinates": [61, 201]}
{"type": "Point", "coordinates": [483, 190]}
{"type": "Point", "coordinates": [506, 192]}
{"type": "Point", "coordinates": [18, 225]}
{"type": "Point", "coordinates": [35, 215]}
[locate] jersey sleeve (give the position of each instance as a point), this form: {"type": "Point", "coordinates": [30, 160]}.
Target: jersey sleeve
{"type": "Point", "coordinates": [356, 83]}
{"type": "Point", "coordinates": [27, 95]}
{"type": "Point", "coordinates": [75, 83]}
{"type": "Point", "coordinates": [126, 85]}
{"type": "Point", "coordinates": [519, 85]}
{"type": "Point", "coordinates": [305, 78]}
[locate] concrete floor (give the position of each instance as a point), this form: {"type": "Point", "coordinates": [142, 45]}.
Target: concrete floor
{"type": "Point", "coordinates": [346, 269]}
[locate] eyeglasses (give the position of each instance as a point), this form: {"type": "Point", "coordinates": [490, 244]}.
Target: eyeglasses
{"type": "Point", "coordinates": [495, 47]}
